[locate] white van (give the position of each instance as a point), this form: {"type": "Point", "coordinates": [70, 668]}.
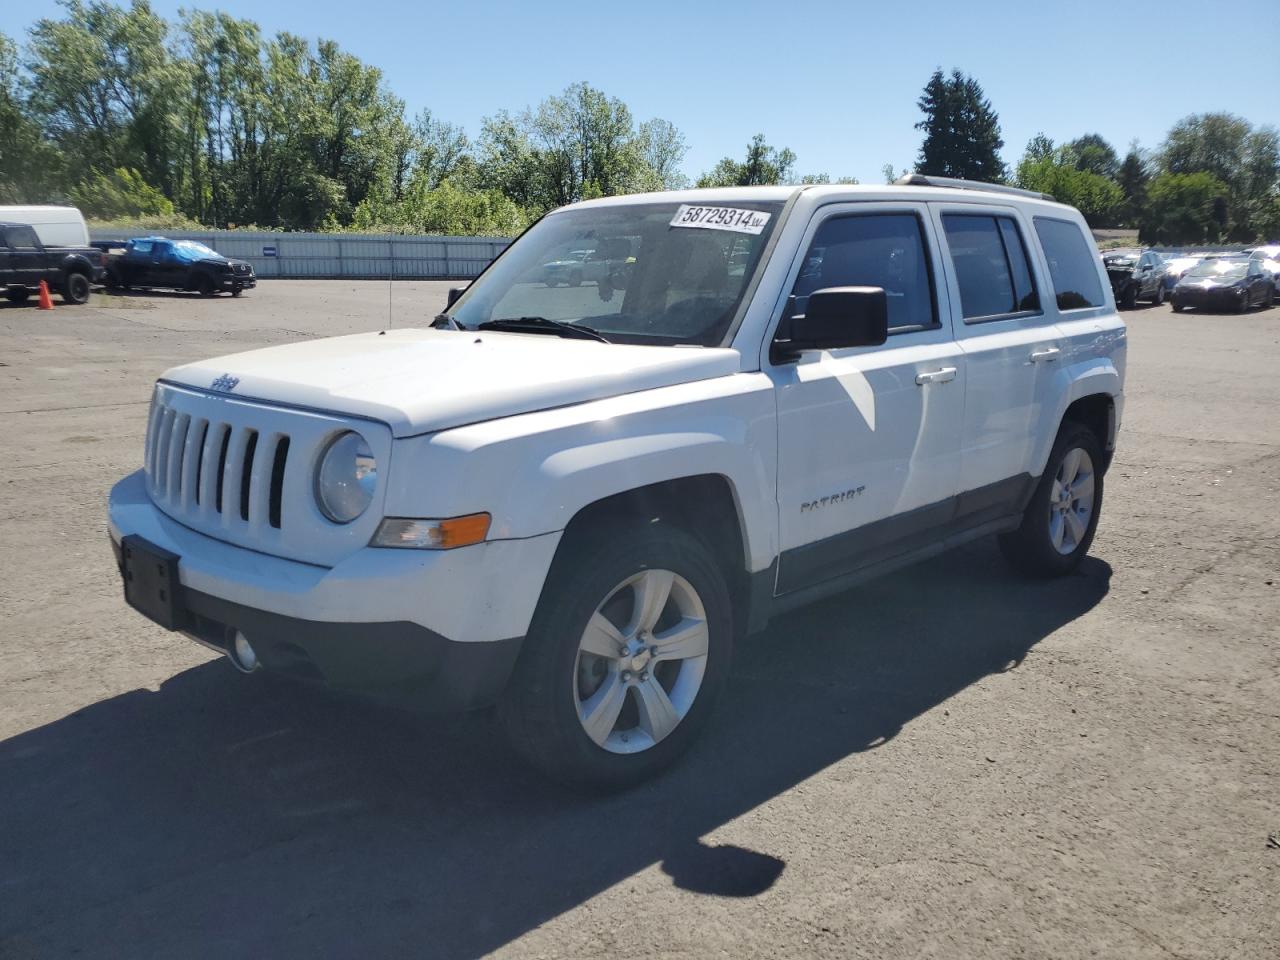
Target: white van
{"type": "Point", "coordinates": [55, 226]}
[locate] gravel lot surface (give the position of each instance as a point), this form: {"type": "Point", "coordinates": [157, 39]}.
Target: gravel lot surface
{"type": "Point", "coordinates": [952, 762]}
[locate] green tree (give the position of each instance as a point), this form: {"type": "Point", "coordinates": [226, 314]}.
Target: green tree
{"type": "Point", "coordinates": [662, 149]}
{"type": "Point", "coordinates": [29, 167]}
{"type": "Point", "coordinates": [120, 194]}
{"type": "Point", "coordinates": [1132, 178]}
{"type": "Point", "coordinates": [103, 88]}
{"type": "Point", "coordinates": [1039, 147]}
{"type": "Point", "coordinates": [763, 164]}
{"type": "Point", "coordinates": [1185, 208]}
{"type": "Point", "coordinates": [1092, 154]}
{"type": "Point", "coordinates": [961, 130]}
{"type": "Point", "coordinates": [1098, 198]}
{"type": "Point", "coordinates": [1229, 149]}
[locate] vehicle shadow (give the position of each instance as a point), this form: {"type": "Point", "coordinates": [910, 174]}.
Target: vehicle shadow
{"type": "Point", "coordinates": [223, 816]}
{"type": "Point", "coordinates": [151, 292]}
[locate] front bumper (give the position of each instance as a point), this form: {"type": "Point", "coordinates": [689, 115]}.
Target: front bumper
{"type": "Point", "coordinates": [1216, 298]}
{"type": "Point", "coordinates": [431, 629]}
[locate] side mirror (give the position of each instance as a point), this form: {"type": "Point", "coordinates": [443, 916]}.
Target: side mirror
{"type": "Point", "coordinates": [836, 317]}
{"type": "Point", "coordinates": [454, 294]}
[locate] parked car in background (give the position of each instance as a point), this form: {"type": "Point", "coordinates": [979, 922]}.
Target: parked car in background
{"type": "Point", "coordinates": [606, 262]}
{"type": "Point", "coordinates": [1269, 257]}
{"type": "Point", "coordinates": [55, 226]}
{"type": "Point", "coordinates": [25, 260]}
{"type": "Point", "coordinates": [1225, 283]}
{"type": "Point", "coordinates": [157, 262]}
{"type": "Point", "coordinates": [1135, 275]}
{"type": "Point", "coordinates": [1176, 267]}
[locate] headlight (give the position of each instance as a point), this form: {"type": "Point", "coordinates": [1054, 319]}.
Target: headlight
{"type": "Point", "coordinates": [346, 477]}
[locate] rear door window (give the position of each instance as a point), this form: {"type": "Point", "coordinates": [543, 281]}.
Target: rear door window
{"type": "Point", "coordinates": [991, 266]}
{"type": "Point", "coordinates": [1071, 268]}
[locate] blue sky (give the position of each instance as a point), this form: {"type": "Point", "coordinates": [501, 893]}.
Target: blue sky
{"type": "Point", "coordinates": [835, 82]}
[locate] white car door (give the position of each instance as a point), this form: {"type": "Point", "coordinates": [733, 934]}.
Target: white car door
{"type": "Point", "coordinates": [1011, 349]}
{"type": "Point", "coordinates": [868, 437]}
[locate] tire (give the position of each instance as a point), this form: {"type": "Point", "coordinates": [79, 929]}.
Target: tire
{"type": "Point", "coordinates": [75, 288]}
{"type": "Point", "coordinates": [1158, 299]}
{"type": "Point", "coordinates": [1129, 298]}
{"type": "Point", "coordinates": [204, 286]}
{"type": "Point", "coordinates": [1177, 307]}
{"type": "Point", "coordinates": [575, 278]}
{"type": "Point", "coordinates": [1047, 543]}
{"type": "Point", "coordinates": [237, 291]}
{"type": "Point", "coordinates": [17, 295]}
{"type": "Point", "coordinates": [597, 579]}
{"type": "Point", "coordinates": [1243, 305]}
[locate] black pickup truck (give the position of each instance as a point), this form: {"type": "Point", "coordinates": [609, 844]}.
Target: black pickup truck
{"type": "Point", "coordinates": [175, 265]}
{"type": "Point", "coordinates": [25, 261]}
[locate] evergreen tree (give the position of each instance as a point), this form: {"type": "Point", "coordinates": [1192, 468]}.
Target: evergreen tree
{"type": "Point", "coordinates": [961, 130]}
{"type": "Point", "coordinates": [1132, 178]}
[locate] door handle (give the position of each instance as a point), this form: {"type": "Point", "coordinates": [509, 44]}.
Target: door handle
{"type": "Point", "coordinates": [936, 376]}
{"type": "Point", "coordinates": [1049, 353]}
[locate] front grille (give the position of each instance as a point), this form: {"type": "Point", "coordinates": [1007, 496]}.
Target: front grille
{"type": "Point", "coordinates": [201, 466]}
{"type": "Point", "coordinates": [243, 471]}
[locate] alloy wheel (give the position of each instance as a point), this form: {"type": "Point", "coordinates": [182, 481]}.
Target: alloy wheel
{"type": "Point", "coordinates": [1071, 501]}
{"type": "Point", "coordinates": [641, 661]}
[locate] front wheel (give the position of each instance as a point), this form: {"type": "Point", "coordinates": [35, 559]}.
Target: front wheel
{"type": "Point", "coordinates": [1158, 299]}
{"type": "Point", "coordinates": [1060, 520]}
{"type": "Point", "coordinates": [1129, 298]}
{"type": "Point", "coordinates": [204, 286]}
{"type": "Point", "coordinates": [625, 657]}
{"type": "Point", "coordinates": [75, 288]}
{"type": "Point", "coordinates": [17, 294]}
{"type": "Point", "coordinates": [1177, 307]}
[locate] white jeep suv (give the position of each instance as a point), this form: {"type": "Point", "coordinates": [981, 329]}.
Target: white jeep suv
{"type": "Point", "coordinates": [570, 504]}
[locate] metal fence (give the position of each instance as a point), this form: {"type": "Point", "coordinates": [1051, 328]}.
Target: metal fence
{"type": "Point", "coordinates": [354, 256]}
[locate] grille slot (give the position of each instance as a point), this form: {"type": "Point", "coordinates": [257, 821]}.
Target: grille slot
{"type": "Point", "coordinates": [223, 446]}
{"type": "Point", "coordinates": [246, 471]}
{"type": "Point", "coordinates": [276, 503]}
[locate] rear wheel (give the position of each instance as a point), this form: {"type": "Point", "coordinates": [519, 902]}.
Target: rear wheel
{"type": "Point", "coordinates": [75, 288]}
{"type": "Point", "coordinates": [626, 655]}
{"type": "Point", "coordinates": [17, 294]}
{"type": "Point", "coordinates": [575, 278]}
{"type": "Point", "coordinates": [1059, 522]}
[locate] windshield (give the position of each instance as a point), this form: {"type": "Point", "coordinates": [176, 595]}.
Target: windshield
{"type": "Point", "coordinates": [654, 273]}
{"type": "Point", "coordinates": [1219, 268]}
{"type": "Point", "coordinates": [194, 248]}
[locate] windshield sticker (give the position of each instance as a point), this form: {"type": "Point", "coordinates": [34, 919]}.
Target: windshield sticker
{"type": "Point", "coordinates": [720, 218]}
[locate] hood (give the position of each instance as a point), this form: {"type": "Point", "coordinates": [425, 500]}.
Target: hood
{"type": "Point", "coordinates": [419, 381]}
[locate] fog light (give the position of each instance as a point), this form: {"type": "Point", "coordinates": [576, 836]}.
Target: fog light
{"type": "Point", "coordinates": [242, 655]}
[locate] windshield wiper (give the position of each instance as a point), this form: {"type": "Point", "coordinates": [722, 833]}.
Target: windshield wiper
{"type": "Point", "coordinates": [543, 325]}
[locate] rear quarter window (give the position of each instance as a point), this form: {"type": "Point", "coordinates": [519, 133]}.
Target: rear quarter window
{"type": "Point", "coordinates": [1071, 268]}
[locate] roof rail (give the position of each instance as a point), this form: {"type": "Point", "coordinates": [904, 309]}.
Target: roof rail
{"type": "Point", "coordinates": [920, 180]}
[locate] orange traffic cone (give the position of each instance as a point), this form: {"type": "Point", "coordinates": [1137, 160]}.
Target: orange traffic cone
{"type": "Point", "coordinates": [46, 302]}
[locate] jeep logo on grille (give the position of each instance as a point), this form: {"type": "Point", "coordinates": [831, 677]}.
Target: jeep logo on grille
{"type": "Point", "coordinates": [226, 383]}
